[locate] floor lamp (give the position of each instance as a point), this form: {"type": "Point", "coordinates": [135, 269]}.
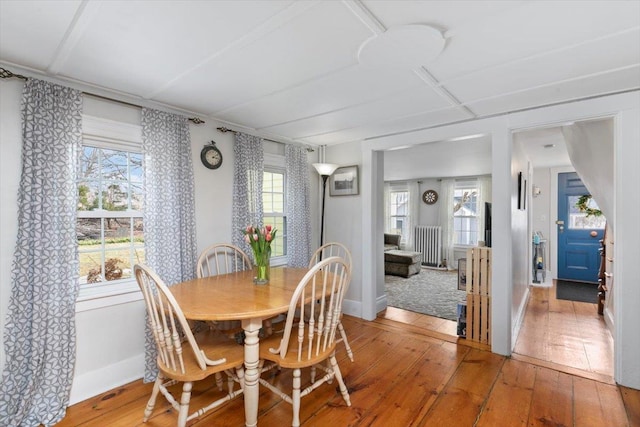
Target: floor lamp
{"type": "Point", "coordinates": [325, 170]}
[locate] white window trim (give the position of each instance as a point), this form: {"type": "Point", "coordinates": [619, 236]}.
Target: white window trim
{"type": "Point", "coordinates": [277, 163]}
{"type": "Point", "coordinates": [464, 184]}
{"type": "Point", "coordinates": [111, 134]}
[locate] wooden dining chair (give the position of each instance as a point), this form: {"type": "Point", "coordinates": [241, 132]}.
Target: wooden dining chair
{"type": "Point", "coordinates": [325, 251]}
{"type": "Point", "coordinates": [222, 258]}
{"type": "Point", "coordinates": [308, 339]}
{"type": "Point", "coordinates": [182, 355]}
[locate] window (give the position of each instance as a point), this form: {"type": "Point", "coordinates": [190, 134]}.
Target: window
{"type": "Point", "coordinates": [109, 229]}
{"type": "Point", "coordinates": [579, 220]}
{"type": "Point", "coordinates": [274, 209]}
{"type": "Point", "coordinates": [398, 221]}
{"type": "Point", "coordinates": [465, 214]}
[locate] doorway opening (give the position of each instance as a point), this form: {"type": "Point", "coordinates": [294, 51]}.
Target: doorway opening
{"type": "Point", "coordinates": [559, 331]}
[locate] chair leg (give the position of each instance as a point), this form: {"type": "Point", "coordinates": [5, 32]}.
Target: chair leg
{"type": "Point", "coordinates": [152, 400]}
{"type": "Point", "coordinates": [184, 404]}
{"type": "Point", "coordinates": [218, 376]}
{"type": "Point", "coordinates": [345, 340]}
{"type": "Point", "coordinates": [295, 398]}
{"type": "Point", "coordinates": [338, 375]}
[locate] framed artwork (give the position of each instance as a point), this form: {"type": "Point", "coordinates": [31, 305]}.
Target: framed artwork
{"type": "Point", "coordinates": [462, 274]}
{"type": "Point", "coordinates": [344, 181]}
{"type": "Point", "coordinates": [522, 192]}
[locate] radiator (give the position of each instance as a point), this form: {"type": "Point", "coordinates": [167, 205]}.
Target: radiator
{"type": "Point", "coordinates": [428, 241]}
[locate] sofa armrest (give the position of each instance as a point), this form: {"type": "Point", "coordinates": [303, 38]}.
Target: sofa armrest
{"type": "Point", "coordinates": [392, 239]}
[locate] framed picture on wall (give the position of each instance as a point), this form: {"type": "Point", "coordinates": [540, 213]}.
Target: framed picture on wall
{"type": "Point", "coordinates": [344, 181]}
{"type": "Point", "coordinates": [522, 192]}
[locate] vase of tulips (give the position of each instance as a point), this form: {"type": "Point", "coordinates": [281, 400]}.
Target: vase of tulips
{"type": "Point", "coordinates": [260, 241]}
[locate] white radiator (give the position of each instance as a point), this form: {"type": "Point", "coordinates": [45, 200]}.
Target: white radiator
{"type": "Point", "coordinates": [428, 241]}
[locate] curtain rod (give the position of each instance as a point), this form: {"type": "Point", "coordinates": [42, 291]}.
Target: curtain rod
{"type": "Point", "coordinates": [225, 130]}
{"type": "Point", "coordinates": [6, 74]}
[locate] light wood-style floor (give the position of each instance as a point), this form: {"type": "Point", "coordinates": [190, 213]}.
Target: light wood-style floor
{"type": "Point", "coordinates": [567, 333]}
{"type": "Point", "coordinates": [409, 370]}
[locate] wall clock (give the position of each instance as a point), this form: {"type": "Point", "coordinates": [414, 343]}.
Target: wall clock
{"type": "Point", "coordinates": [211, 156]}
{"type": "Point", "coordinates": [430, 197]}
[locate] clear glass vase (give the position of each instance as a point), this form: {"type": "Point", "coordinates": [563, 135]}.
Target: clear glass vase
{"type": "Point", "coordinates": [262, 267]}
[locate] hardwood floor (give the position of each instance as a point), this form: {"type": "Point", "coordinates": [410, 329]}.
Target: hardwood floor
{"type": "Point", "coordinates": [409, 370]}
{"type": "Point", "coordinates": [566, 333]}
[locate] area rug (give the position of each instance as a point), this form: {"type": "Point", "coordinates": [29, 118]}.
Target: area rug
{"type": "Point", "coordinates": [577, 291]}
{"type": "Point", "coordinates": [429, 292]}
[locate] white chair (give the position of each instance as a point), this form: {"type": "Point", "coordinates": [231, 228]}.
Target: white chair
{"type": "Point", "coordinates": [222, 258]}
{"type": "Point", "coordinates": [308, 343]}
{"type": "Point", "coordinates": [325, 251]}
{"type": "Point", "coordinates": [182, 355]}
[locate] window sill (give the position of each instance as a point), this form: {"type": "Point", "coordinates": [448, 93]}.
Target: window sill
{"type": "Point", "coordinates": [107, 296]}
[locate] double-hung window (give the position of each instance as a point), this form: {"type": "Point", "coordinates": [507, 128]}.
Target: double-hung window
{"type": "Point", "coordinates": [398, 219]}
{"type": "Point", "coordinates": [274, 210]}
{"type": "Point", "coordinates": [465, 213]}
{"type": "Point", "coordinates": [109, 229]}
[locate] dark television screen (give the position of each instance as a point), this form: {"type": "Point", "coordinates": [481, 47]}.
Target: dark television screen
{"type": "Point", "coordinates": [487, 224]}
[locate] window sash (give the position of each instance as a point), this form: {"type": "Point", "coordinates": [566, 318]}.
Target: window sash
{"type": "Point", "coordinates": [274, 211]}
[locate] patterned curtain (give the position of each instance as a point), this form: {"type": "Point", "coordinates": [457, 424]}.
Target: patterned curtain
{"type": "Point", "coordinates": [247, 187]}
{"type": "Point", "coordinates": [298, 210]}
{"type": "Point", "coordinates": [169, 211]}
{"type": "Point", "coordinates": [40, 332]}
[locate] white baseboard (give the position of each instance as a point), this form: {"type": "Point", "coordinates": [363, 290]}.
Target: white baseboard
{"type": "Point", "coordinates": [101, 380]}
{"type": "Point", "coordinates": [381, 303]}
{"type": "Point", "coordinates": [352, 308]}
{"type": "Point", "coordinates": [517, 323]}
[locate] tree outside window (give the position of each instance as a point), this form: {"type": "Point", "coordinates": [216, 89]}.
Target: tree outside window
{"type": "Point", "coordinates": [109, 227]}
{"type": "Point", "coordinates": [398, 221]}
{"type": "Point", "coordinates": [273, 207]}
{"type": "Point", "coordinates": [465, 216]}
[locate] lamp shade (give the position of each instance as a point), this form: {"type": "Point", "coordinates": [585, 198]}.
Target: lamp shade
{"type": "Point", "coordinates": [325, 168]}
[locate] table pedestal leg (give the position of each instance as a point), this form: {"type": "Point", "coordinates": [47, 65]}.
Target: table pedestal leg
{"type": "Point", "coordinates": [251, 373]}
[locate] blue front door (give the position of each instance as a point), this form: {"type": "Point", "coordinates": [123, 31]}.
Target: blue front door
{"type": "Point", "coordinates": [578, 235]}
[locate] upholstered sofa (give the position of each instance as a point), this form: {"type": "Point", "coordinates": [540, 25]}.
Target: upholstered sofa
{"type": "Point", "coordinates": [401, 263]}
{"type": "Point", "coordinates": [391, 241]}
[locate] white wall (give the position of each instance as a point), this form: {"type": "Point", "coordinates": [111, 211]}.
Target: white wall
{"type": "Point", "coordinates": [343, 222]}
{"type": "Point", "coordinates": [520, 238]}
{"type": "Point", "coordinates": [429, 214]}
{"type": "Point", "coordinates": [10, 145]}
{"type": "Point", "coordinates": [508, 298]}
{"type": "Point", "coordinates": [110, 339]}
{"type": "Point", "coordinates": [540, 209]}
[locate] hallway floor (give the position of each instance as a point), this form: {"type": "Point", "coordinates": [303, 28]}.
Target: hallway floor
{"type": "Point", "coordinates": [565, 332]}
{"type": "Point", "coordinates": [565, 335]}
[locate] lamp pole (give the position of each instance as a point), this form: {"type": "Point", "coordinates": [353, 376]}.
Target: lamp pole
{"type": "Point", "coordinates": [324, 190]}
{"type": "Point", "coordinates": [324, 170]}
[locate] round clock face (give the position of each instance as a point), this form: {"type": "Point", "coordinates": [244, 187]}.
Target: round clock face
{"type": "Point", "coordinates": [430, 197]}
{"type": "Point", "coordinates": [211, 157]}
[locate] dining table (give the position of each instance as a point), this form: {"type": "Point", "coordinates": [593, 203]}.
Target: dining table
{"type": "Point", "coordinates": [235, 296]}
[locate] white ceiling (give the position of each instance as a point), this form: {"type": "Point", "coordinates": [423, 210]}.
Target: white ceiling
{"type": "Point", "coordinates": [289, 70]}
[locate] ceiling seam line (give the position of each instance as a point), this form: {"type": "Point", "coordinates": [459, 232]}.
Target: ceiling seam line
{"type": "Point", "coordinates": [492, 116]}
{"type": "Point", "coordinates": [243, 41]}
{"type": "Point", "coordinates": [535, 56]}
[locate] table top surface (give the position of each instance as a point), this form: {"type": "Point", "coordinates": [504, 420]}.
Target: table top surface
{"type": "Point", "coordinates": [235, 296]}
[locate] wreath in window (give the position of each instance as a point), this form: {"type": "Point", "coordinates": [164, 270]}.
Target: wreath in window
{"type": "Point", "coordinates": [584, 205]}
